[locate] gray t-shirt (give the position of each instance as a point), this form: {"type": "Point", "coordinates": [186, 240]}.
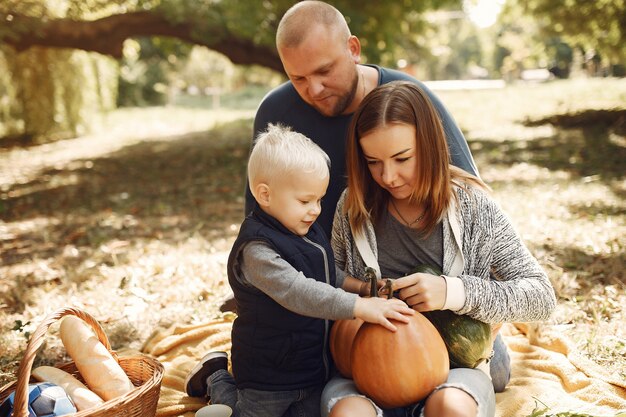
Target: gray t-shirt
{"type": "Point", "coordinates": [401, 249]}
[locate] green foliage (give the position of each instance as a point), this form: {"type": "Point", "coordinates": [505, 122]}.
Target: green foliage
{"type": "Point", "coordinates": [593, 25]}
{"type": "Point", "coordinates": [147, 68]}
{"type": "Point", "coordinates": [33, 89]}
{"type": "Point", "coordinates": [380, 25]}
{"type": "Point", "coordinates": [390, 30]}
{"type": "Point", "coordinates": [451, 49]}
{"type": "Point", "coordinates": [386, 28]}
{"type": "Point", "coordinates": [7, 97]}
{"type": "Point", "coordinates": [206, 70]}
{"type": "Point", "coordinates": [521, 44]}
{"type": "Point", "coordinates": [561, 57]}
{"type": "Point", "coordinates": [20, 326]}
{"type": "Point", "coordinates": [54, 93]}
{"type": "Point", "coordinates": [383, 26]}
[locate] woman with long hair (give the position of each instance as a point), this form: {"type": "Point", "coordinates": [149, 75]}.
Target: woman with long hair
{"type": "Point", "coordinates": [405, 205]}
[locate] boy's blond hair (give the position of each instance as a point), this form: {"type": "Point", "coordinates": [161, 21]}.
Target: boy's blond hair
{"type": "Point", "coordinates": [279, 152]}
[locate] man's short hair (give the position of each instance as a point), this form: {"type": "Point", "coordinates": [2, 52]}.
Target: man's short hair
{"type": "Point", "coordinates": [279, 152]}
{"type": "Point", "coordinates": [297, 21]}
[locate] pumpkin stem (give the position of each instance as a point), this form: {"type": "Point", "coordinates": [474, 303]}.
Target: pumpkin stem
{"type": "Point", "coordinates": [387, 287]}
{"type": "Point", "coordinates": [370, 275]}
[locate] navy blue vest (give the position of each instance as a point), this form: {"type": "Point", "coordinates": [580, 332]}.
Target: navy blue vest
{"type": "Point", "coordinates": [275, 349]}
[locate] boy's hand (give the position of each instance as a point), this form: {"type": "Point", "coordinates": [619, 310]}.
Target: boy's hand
{"type": "Point", "coordinates": [380, 310]}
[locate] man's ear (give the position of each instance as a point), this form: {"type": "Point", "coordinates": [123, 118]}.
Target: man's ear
{"type": "Point", "coordinates": [354, 47]}
{"type": "Point", "coordinates": [262, 194]}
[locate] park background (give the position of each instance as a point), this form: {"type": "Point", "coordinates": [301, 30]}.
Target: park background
{"type": "Point", "coordinates": [125, 127]}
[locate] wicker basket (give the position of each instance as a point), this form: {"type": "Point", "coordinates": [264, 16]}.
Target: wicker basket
{"type": "Point", "coordinates": [145, 373]}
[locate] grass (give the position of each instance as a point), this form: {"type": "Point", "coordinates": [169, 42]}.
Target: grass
{"type": "Point", "coordinates": [134, 222]}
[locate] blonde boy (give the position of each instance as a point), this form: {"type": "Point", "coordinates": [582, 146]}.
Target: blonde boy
{"type": "Point", "coordinates": [282, 272]}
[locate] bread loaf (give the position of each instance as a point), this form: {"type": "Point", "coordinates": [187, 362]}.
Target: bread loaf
{"type": "Point", "coordinates": [83, 398]}
{"type": "Point", "coordinates": [101, 372]}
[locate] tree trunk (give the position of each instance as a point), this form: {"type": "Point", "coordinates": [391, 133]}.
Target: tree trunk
{"type": "Point", "coordinates": [107, 35]}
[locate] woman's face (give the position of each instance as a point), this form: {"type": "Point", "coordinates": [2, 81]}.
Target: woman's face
{"type": "Point", "coordinates": [390, 155]}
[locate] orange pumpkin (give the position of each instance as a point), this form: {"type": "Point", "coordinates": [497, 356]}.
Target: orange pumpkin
{"type": "Point", "coordinates": [343, 332]}
{"type": "Point", "coordinates": [396, 369]}
{"type": "Point", "coordinates": [341, 339]}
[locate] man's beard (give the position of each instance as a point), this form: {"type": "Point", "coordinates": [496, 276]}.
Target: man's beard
{"type": "Point", "coordinates": [343, 102]}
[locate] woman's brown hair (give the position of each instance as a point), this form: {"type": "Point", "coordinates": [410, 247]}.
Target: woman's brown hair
{"type": "Point", "coordinates": [401, 102]}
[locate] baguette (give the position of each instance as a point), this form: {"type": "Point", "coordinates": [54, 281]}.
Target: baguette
{"type": "Point", "coordinates": [101, 372]}
{"type": "Point", "coordinates": [83, 398]}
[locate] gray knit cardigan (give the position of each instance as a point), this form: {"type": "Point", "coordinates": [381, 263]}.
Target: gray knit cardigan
{"type": "Point", "coordinates": [478, 239]}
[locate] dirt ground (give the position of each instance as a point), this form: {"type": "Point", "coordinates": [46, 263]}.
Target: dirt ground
{"type": "Point", "coordinates": [134, 224]}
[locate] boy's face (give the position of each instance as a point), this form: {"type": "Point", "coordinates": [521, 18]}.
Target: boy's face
{"type": "Point", "coordinates": [295, 201]}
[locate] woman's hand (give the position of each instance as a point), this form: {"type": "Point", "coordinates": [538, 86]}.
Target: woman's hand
{"type": "Point", "coordinates": [422, 292]}
{"type": "Point", "coordinates": [380, 311]}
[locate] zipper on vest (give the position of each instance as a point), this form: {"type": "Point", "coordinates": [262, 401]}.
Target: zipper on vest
{"type": "Point", "coordinates": [326, 322]}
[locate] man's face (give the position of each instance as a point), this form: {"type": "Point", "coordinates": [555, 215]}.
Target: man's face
{"type": "Point", "coordinates": [323, 71]}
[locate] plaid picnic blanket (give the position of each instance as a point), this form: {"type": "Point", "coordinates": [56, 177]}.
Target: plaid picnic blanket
{"type": "Point", "coordinates": [545, 368]}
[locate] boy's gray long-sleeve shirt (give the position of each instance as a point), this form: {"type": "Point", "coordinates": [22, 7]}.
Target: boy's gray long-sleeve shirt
{"type": "Point", "coordinates": [259, 265]}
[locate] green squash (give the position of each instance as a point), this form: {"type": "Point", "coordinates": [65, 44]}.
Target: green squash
{"type": "Point", "coordinates": [468, 340]}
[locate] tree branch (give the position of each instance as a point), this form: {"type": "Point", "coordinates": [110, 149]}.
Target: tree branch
{"type": "Point", "coordinates": [107, 35]}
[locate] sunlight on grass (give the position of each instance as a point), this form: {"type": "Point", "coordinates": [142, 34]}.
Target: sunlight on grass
{"type": "Point", "coordinates": [491, 114]}
{"type": "Point", "coordinates": [155, 122]}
